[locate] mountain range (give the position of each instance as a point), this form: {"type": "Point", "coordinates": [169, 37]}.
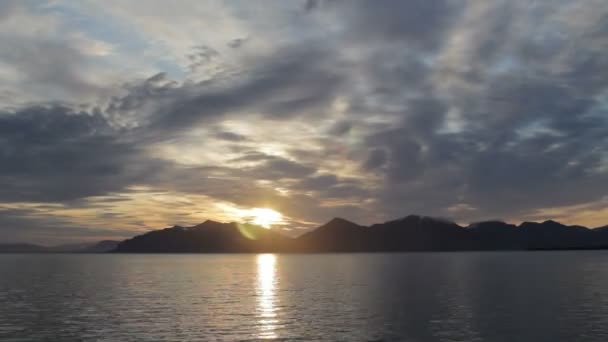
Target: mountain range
{"type": "Point", "coordinates": [97, 247]}
{"type": "Point", "coordinates": [411, 233]}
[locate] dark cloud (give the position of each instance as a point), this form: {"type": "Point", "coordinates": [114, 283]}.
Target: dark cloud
{"type": "Point", "coordinates": [318, 182]}
{"type": "Point", "coordinates": [40, 227]}
{"type": "Point", "coordinates": [525, 141]}
{"type": "Point", "coordinates": [291, 82]}
{"type": "Point", "coordinates": [238, 42]}
{"type": "Point", "coordinates": [340, 128]}
{"type": "Point", "coordinates": [309, 5]}
{"type": "Point", "coordinates": [280, 168]}
{"type": "Point", "coordinates": [510, 122]}
{"type": "Point", "coordinates": [58, 153]}
{"type": "Point", "coordinates": [8, 8]}
{"type": "Point", "coordinates": [230, 136]}
{"type": "Point", "coordinates": [376, 159]}
{"type": "Point", "coordinates": [418, 23]}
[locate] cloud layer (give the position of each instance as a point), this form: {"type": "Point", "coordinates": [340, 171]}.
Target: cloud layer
{"type": "Point", "coordinates": [154, 114]}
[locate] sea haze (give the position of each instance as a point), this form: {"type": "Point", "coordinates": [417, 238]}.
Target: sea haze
{"type": "Point", "coordinates": [452, 296]}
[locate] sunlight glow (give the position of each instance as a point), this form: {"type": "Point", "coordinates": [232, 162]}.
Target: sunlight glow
{"type": "Point", "coordinates": [265, 217]}
{"type": "Point", "coordinates": [267, 306]}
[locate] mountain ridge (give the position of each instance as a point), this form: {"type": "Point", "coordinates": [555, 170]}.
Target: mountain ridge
{"type": "Point", "coordinates": [410, 233]}
{"type": "Point", "coordinates": [94, 247]}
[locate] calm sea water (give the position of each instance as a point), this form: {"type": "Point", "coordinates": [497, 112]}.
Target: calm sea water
{"type": "Point", "coordinates": [488, 296]}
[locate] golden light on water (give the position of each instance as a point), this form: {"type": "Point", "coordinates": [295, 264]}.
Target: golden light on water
{"type": "Point", "coordinates": [266, 297]}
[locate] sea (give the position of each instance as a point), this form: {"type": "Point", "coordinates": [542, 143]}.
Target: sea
{"type": "Point", "coordinates": [459, 296]}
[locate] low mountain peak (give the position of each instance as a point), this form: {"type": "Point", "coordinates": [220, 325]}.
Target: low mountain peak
{"type": "Point", "coordinates": [174, 228]}
{"type": "Point", "coordinates": [490, 226]}
{"type": "Point", "coordinates": [419, 218]}
{"type": "Point", "coordinates": [488, 222]}
{"type": "Point", "coordinates": [408, 218]}
{"type": "Point", "coordinates": [551, 222]}
{"type": "Point", "coordinates": [338, 225]}
{"type": "Point", "coordinates": [211, 222]}
{"type": "Point", "coordinates": [207, 223]}
{"type": "Point", "coordinates": [339, 220]}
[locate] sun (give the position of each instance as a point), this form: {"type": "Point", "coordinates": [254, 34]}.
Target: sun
{"type": "Point", "coordinates": [265, 217]}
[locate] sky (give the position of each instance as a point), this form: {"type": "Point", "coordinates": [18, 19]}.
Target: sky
{"type": "Point", "coordinates": [118, 117]}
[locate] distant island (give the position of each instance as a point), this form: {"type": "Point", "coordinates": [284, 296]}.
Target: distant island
{"type": "Point", "coordinates": [96, 247]}
{"type": "Point", "coordinates": [411, 233]}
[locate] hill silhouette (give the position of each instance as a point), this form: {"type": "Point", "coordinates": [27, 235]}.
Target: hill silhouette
{"type": "Point", "coordinates": [21, 248]}
{"type": "Point", "coordinates": [97, 247]}
{"type": "Point", "coordinates": [208, 237]}
{"type": "Point", "coordinates": [411, 233]}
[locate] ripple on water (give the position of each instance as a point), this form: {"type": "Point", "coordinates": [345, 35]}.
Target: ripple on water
{"type": "Point", "coordinates": [351, 297]}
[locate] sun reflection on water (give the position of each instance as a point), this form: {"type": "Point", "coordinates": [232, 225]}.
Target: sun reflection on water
{"type": "Point", "coordinates": [266, 283]}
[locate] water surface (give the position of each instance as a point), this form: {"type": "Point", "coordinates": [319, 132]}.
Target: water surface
{"type": "Point", "coordinates": [486, 296]}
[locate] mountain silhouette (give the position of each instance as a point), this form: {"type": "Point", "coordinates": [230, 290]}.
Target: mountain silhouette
{"type": "Point", "coordinates": [554, 235]}
{"type": "Point", "coordinates": [21, 248]}
{"type": "Point", "coordinates": [207, 237]}
{"type": "Point", "coordinates": [601, 229]}
{"type": "Point", "coordinates": [410, 233]}
{"type": "Point", "coordinates": [418, 233]}
{"type": "Point", "coordinates": [100, 247]}
{"type": "Point", "coordinates": [97, 247]}
{"type": "Point", "coordinates": [337, 235]}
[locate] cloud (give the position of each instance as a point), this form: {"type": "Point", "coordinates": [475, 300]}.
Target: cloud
{"type": "Point", "coordinates": [40, 227]}
{"type": "Point", "coordinates": [525, 136]}
{"type": "Point", "coordinates": [59, 153]}
{"type": "Point", "coordinates": [230, 136]}
{"type": "Point", "coordinates": [368, 110]}
{"type": "Point", "coordinates": [377, 158]}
